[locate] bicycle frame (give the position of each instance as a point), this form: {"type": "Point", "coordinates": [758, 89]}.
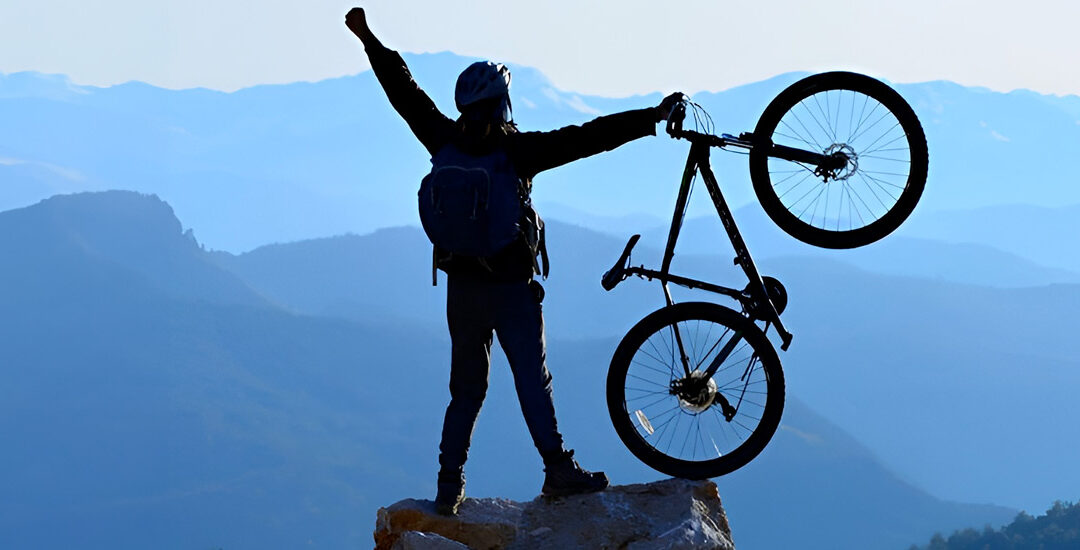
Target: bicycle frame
{"type": "Point", "coordinates": [754, 299]}
{"type": "Point", "coordinates": [727, 358]}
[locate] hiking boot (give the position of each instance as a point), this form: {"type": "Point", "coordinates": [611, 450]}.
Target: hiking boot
{"type": "Point", "coordinates": [450, 495]}
{"type": "Point", "coordinates": [565, 477]}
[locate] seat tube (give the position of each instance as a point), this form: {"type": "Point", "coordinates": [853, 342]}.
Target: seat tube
{"type": "Point", "coordinates": [696, 150]}
{"type": "Point", "coordinates": [680, 205]}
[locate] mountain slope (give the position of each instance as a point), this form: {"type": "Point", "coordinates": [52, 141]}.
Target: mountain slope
{"type": "Point", "coordinates": [129, 232]}
{"type": "Point", "coordinates": [915, 358]}
{"type": "Point", "coordinates": [148, 418]}
{"type": "Point", "coordinates": [1006, 246]}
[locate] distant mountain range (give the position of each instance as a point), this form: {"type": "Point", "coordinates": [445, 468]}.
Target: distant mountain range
{"type": "Point", "coordinates": [903, 358]}
{"type": "Point", "coordinates": [172, 374]}
{"type": "Point", "coordinates": [1001, 246]}
{"type": "Point", "coordinates": [157, 394]}
{"type": "Point", "coordinates": [288, 162]}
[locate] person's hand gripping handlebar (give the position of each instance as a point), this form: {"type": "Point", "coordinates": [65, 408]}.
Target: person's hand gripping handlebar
{"type": "Point", "coordinates": [673, 110]}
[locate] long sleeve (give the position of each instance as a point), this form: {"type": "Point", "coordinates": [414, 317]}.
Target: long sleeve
{"type": "Point", "coordinates": [425, 120]}
{"type": "Point", "coordinates": [534, 152]}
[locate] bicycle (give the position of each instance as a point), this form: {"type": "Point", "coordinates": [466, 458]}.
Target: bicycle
{"type": "Point", "coordinates": [709, 371]}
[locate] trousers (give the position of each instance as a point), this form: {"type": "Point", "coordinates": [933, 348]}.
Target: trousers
{"type": "Point", "coordinates": [475, 309]}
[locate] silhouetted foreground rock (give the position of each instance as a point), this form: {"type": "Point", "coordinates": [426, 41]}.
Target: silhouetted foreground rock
{"type": "Point", "coordinates": [672, 514]}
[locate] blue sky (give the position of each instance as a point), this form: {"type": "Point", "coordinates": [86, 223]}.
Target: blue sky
{"type": "Point", "coordinates": [614, 48]}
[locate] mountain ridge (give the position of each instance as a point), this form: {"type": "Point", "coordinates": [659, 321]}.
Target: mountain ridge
{"type": "Point", "coordinates": [293, 161]}
{"type": "Point", "coordinates": [260, 426]}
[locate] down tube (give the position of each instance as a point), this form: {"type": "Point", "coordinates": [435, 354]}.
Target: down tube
{"type": "Point", "coordinates": [742, 255]}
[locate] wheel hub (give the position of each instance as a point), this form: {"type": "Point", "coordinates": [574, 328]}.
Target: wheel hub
{"type": "Point", "coordinates": [695, 393]}
{"type": "Point", "coordinates": [845, 165]}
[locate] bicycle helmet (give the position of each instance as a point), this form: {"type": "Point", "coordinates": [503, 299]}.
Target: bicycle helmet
{"type": "Point", "coordinates": [481, 84]}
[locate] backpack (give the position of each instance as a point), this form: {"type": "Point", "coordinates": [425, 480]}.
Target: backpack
{"type": "Point", "coordinates": [477, 205]}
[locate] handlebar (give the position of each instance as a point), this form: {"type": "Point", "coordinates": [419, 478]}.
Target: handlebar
{"type": "Point", "coordinates": [675, 120]}
{"type": "Point", "coordinates": [675, 130]}
{"type": "Point", "coordinates": [825, 163]}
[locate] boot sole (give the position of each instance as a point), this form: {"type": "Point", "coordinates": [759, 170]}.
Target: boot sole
{"type": "Point", "coordinates": [570, 492]}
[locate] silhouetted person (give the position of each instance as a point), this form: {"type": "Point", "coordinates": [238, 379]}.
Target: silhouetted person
{"type": "Point", "coordinates": [498, 293]}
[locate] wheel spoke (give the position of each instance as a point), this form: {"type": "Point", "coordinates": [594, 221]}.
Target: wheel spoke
{"type": "Point", "coordinates": [869, 211]}
{"type": "Point", "coordinates": [870, 148]}
{"type": "Point", "coordinates": [651, 368]}
{"type": "Point", "coordinates": [808, 174]}
{"type": "Point", "coordinates": [647, 392]}
{"type": "Point", "coordinates": [646, 381]}
{"type": "Point", "coordinates": [825, 116]}
{"type": "Point", "coordinates": [807, 130]}
{"type": "Point", "coordinates": [676, 424]}
{"type": "Point", "coordinates": [851, 137]}
{"type": "Point", "coordinates": [812, 115]}
{"type": "Point", "coordinates": [870, 127]}
{"type": "Point", "coordinates": [866, 182]}
{"type": "Point", "coordinates": [797, 135]}
{"type": "Point", "coordinates": [865, 156]}
{"type": "Point", "coordinates": [881, 184]}
{"type": "Point", "coordinates": [887, 174]}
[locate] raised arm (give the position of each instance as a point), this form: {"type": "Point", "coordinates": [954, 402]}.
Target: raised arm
{"type": "Point", "coordinates": [539, 151]}
{"type": "Point", "coordinates": [429, 125]}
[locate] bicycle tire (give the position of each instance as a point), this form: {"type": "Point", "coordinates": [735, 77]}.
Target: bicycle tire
{"type": "Point", "coordinates": [766, 380]}
{"type": "Point", "coordinates": [864, 189]}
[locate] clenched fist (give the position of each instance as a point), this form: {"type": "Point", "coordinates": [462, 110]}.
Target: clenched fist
{"type": "Point", "coordinates": [357, 23]}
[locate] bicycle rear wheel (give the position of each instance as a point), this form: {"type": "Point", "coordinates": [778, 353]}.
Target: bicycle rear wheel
{"type": "Point", "coordinates": [681, 431]}
{"type": "Point", "coordinates": [874, 193]}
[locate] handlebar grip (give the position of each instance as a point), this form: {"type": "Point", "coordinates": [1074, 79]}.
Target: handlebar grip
{"type": "Point", "coordinates": [675, 120]}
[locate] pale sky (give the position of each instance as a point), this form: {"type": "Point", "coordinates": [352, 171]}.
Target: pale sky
{"type": "Point", "coordinates": [614, 48]}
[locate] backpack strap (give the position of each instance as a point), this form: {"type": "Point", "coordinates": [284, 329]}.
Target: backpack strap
{"type": "Point", "coordinates": [541, 245]}
{"type": "Point", "coordinates": [536, 237]}
{"type": "Point", "coordinates": [434, 266]}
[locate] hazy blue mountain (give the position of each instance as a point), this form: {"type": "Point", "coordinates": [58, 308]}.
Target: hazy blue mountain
{"type": "Point", "coordinates": [388, 274]}
{"type": "Point", "coordinates": [904, 363]}
{"type": "Point", "coordinates": [120, 230]}
{"type": "Point", "coordinates": [811, 472]}
{"type": "Point", "coordinates": [618, 226]}
{"type": "Point", "coordinates": [1006, 246]}
{"type": "Point", "coordinates": [142, 416]}
{"type": "Point", "coordinates": [1045, 235]}
{"type": "Point", "coordinates": [389, 271]}
{"type": "Point", "coordinates": [288, 162]}
{"type": "Point", "coordinates": [835, 476]}
{"type": "Point", "coordinates": [965, 389]}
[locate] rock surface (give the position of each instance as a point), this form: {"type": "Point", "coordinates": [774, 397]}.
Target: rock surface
{"type": "Point", "coordinates": [416, 540]}
{"type": "Point", "coordinates": [673, 514]}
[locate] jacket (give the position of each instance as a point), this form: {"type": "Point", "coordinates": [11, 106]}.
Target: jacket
{"type": "Point", "coordinates": [530, 152]}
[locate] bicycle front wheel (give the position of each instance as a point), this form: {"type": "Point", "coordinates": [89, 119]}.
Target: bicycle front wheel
{"type": "Point", "coordinates": [686, 425]}
{"type": "Point", "coordinates": [873, 127]}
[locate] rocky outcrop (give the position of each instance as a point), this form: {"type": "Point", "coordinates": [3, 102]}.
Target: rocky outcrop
{"type": "Point", "coordinates": [673, 514]}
